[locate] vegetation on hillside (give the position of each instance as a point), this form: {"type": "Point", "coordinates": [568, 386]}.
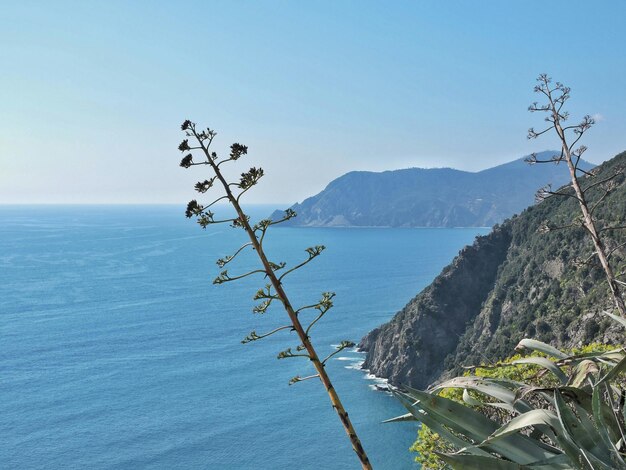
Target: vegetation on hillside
{"type": "Point", "coordinates": [576, 419]}
{"type": "Point", "coordinates": [549, 286]}
{"type": "Point", "coordinates": [581, 182]}
{"type": "Point", "coordinates": [541, 288]}
{"type": "Point", "coordinates": [429, 444]}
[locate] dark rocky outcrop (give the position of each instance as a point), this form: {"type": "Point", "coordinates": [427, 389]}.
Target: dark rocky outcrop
{"type": "Point", "coordinates": [512, 283]}
{"type": "Point", "coordinates": [412, 348]}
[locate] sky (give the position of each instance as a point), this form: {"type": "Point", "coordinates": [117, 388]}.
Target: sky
{"type": "Point", "coordinates": [92, 94]}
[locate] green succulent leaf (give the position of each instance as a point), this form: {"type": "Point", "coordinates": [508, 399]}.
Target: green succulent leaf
{"type": "Point", "coordinates": [582, 371]}
{"type": "Point", "coordinates": [404, 417]}
{"type": "Point", "coordinates": [614, 372]}
{"type": "Point", "coordinates": [585, 437]}
{"type": "Point", "coordinates": [541, 347]}
{"type": "Point", "coordinates": [617, 318]}
{"type": "Point", "coordinates": [436, 426]}
{"type": "Point", "coordinates": [546, 364]}
{"type": "Point", "coordinates": [607, 424]}
{"type": "Point", "coordinates": [471, 401]}
{"type": "Point", "coordinates": [502, 390]}
{"type": "Point", "coordinates": [478, 462]}
{"type": "Point", "coordinates": [476, 427]}
{"type": "Point", "coordinates": [530, 418]}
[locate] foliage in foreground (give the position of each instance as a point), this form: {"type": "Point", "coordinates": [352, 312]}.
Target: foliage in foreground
{"type": "Point", "coordinates": [573, 416]}
{"type": "Point", "coordinates": [428, 443]}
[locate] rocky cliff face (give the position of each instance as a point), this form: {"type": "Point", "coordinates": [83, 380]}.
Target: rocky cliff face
{"type": "Point", "coordinates": [515, 282]}
{"type": "Point", "coordinates": [411, 349]}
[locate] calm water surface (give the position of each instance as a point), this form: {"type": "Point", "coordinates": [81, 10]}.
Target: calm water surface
{"type": "Point", "coordinates": [117, 352]}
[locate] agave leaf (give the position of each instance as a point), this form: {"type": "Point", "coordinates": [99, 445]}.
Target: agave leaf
{"type": "Point", "coordinates": [531, 418]}
{"type": "Point", "coordinates": [616, 318]}
{"type": "Point", "coordinates": [577, 396]}
{"type": "Point", "coordinates": [456, 441]}
{"type": "Point", "coordinates": [607, 425]}
{"type": "Point", "coordinates": [583, 401]}
{"type": "Point", "coordinates": [545, 392]}
{"type": "Point", "coordinates": [597, 464]}
{"type": "Point", "coordinates": [614, 371]}
{"type": "Point", "coordinates": [541, 347]}
{"type": "Point", "coordinates": [546, 364]}
{"type": "Point", "coordinates": [478, 462]}
{"type": "Point", "coordinates": [582, 434]}
{"type": "Point", "coordinates": [405, 417]}
{"type": "Point", "coordinates": [561, 461]}
{"type": "Point", "coordinates": [585, 416]}
{"type": "Point", "coordinates": [542, 421]}
{"type": "Point", "coordinates": [576, 454]}
{"type": "Point", "coordinates": [464, 461]}
{"type": "Point", "coordinates": [582, 371]}
{"type": "Point", "coordinates": [503, 406]}
{"type": "Point", "coordinates": [477, 427]}
{"type": "Point", "coordinates": [435, 426]}
{"type": "Point", "coordinates": [615, 355]}
{"type": "Point", "coordinates": [467, 398]}
{"type": "Point", "coordinates": [458, 417]}
{"type": "Point", "coordinates": [502, 390]}
{"type": "Point", "coordinates": [454, 382]}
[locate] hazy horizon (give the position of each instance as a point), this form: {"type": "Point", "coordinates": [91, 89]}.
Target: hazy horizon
{"type": "Point", "coordinates": [227, 205]}
{"type": "Point", "coordinates": [94, 94]}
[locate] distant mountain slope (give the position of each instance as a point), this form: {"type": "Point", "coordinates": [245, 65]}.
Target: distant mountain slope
{"type": "Point", "coordinates": [512, 283]}
{"type": "Point", "coordinates": [439, 197]}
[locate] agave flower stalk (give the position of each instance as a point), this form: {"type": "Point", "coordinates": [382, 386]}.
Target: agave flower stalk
{"type": "Point", "coordinates": [556, 95]}
{"type": "Point", "coordinates": [274, 290]}
{"type": "Point", "coordinates": [571, 414]}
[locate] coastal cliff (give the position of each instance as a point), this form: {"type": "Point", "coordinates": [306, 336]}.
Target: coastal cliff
{"type": "Point", "coordinates": [412, 348]}
{"type": "Point", "coordinates": [515, 282]}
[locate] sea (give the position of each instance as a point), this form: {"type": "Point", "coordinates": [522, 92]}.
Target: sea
{"type": "Point", "coordinates": [118, 352]}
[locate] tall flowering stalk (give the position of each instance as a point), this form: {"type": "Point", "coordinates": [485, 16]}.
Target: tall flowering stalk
{"type": "Point", "coordinates": [555, 96]}
{"type": "Point", "coordinates": [273, 272]}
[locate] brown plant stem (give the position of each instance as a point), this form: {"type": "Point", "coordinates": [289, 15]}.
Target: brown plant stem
{"type": "Point", "coordinates": [588, 220]}
{"type": "Point", "coordinates": [293, 316]}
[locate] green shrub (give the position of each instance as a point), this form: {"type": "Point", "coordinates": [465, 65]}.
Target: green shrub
{"type": "Point", "coordinates": [429, 444]}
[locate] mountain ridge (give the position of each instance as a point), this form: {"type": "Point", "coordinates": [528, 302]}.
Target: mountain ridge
{"type": "Point", "coordinates": [427, 197]}
{"type": "Point", "coordinates": [512, 283]}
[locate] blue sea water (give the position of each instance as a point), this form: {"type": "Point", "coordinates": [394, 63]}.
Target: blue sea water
{"type": "Point", "coordinates": [117, 352]}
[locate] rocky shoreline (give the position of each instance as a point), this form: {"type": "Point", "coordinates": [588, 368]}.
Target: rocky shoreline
{"type": "Point", "coordinates": [518, 281]}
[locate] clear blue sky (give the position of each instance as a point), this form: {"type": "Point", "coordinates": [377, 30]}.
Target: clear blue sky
{"type": "Point", "coordinates": [92, 94]}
